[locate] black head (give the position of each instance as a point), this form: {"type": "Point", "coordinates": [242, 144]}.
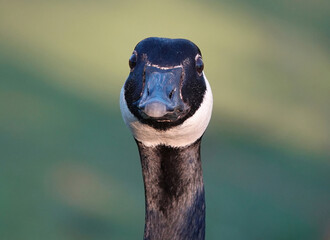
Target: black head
{"type": "Point", "coordinates": [166, 84]}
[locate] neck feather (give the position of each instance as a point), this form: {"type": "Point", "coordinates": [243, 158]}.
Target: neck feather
{"type": "Point", "coordinates": [174, 192]}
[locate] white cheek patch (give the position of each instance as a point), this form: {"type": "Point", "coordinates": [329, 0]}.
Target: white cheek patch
{"type": "Point", "coordinates": [179, 136]}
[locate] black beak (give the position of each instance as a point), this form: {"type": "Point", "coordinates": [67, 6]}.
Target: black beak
{"type": "Point", "coordinates": [161, 97]}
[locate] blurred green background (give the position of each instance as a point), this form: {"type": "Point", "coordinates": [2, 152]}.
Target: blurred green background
{"type": "Point", "coordinates": [69, 167]}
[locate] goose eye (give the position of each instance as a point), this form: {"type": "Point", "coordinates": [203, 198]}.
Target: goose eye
{"type": "Point", "coordinates": [132, 60]}
{"type": "Point", "coordinates": [199, 65]}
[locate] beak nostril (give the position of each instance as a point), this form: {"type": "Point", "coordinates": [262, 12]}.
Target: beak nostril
{"type": "Point", "coordinates": [148, 93]}
{"type": "Point", "coordinates": [171, 94]}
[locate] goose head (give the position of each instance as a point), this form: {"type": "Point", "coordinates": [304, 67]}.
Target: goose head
{"type": "Point", "coordinates": [166, 98]}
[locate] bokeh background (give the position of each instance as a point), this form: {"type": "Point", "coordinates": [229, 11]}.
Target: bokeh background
{"type": "Point", "coordinates": [69, 168]}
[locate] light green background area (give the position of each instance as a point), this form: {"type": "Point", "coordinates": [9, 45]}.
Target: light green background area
{"type": "Point", "coordinates": [69, 168]}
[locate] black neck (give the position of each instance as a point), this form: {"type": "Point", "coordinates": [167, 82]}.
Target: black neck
{"type": "Point", "coordinates": [174, 192]}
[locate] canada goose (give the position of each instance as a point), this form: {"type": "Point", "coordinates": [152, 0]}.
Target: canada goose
{"type": "Point", "coordinates": [166, 102]}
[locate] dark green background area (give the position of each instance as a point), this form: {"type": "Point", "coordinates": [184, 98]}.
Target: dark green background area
{"type": "Point", "coordinates": [69, 167]}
